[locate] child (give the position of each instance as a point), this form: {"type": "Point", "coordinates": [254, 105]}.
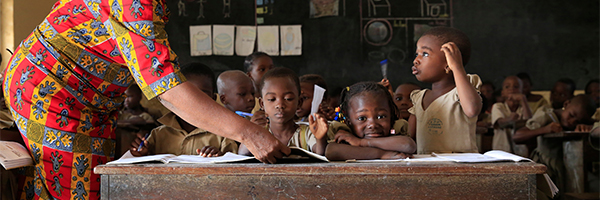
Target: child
{"type": "Point", "coordinates": [402, 98]}
{"type": "Point", "coordinates": [236, 91]}
{"type": "Point", "coordinates": [562, 91]}
{"type": "Point", "coordinates": [505, 116]}
{"type": "Point", "coordinates": [534, 100]}
{"type": "Point", "coordinates": [444, 118]}
{"type": "Point", "coordinates": [487, 90]}
{"type": "Point", "coordinates": [307, 89]}
{"type": "Point", "coordinates": [592, 89]}
{"type": "Point", "coordinates": [256, 65]}
{"type": "Point", "coordinates": [545, 120]}
{"type": "Point", "coordinates": [279, 89]}
{"type": "Point", "coordinates": [133, 119]}
{"type": "Point", "coordinates": [371, 113]}
{"type": "Point", "coordinates": [177, 136]}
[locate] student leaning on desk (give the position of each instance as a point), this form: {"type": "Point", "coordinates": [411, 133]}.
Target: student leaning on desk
{"type": "Point", "coordinates": [65, 83]}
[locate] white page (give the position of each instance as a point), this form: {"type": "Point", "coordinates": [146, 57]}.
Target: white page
{"type": "Point", "coordinates": [317, 99]}
{"type": "Point", "coordinates": [268, 40]}
{"type": "Point", "coordinates": [197, 159]}
{"type": "Point", "coordinates": [308, 153]}
{"type": "Point", "coordinates": [159, 158]}
{"type": "Point", "coordinates": [291, 40]}
{"type": "Point", "coordinates": [245, 39]}
{"type": "Point", "coordinates": [223, 40]}
{"type": "Point", "coordinates": [200, 40]}
{"type": "Point", "coordinates": [505, 155]}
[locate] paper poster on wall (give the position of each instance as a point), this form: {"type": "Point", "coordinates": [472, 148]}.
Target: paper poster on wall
{"type": "Point", "coordinates": [245, 38]}
{"type": "Point", "coordinates": [200, 41]}
{"type": "Point", "coordinates": [223, 40]}
{"type": "Point", "coordinates": [291, 40]}
{"type": "Point", "coordinates": [321, 8]}
{"type": "Point", "coordinates": [268, 40]}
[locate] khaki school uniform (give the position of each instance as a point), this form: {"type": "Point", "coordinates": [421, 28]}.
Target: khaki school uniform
{"type": "Point", "coordinates": [171, 138]}
{"type": "Point", "coordinates": [534, 105]}
{"type": "Point", "coordinates": [501, 140]}
{"type": "Point", "coordinates": [444, 127]}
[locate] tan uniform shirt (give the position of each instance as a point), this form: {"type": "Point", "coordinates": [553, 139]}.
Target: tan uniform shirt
{"type": "Point", "coordinates": [171, 138]}
{"type": "Point", "coordinates": [534, 105]}
{"type": "Point", "coordinates": [501, 139]}
{"type": "Point", "coordinates": [444, 127]}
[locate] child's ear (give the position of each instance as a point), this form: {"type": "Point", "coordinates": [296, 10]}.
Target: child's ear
{"type": "Point", "coordinates": [223, 99]}
{"type": "Point", "coordinates": [260, 102]}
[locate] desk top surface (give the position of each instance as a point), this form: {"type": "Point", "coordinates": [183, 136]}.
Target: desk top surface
{"type": "Point", "coordinates": [333, 168]}
{"type": "Point", "coordinates": [567, 135]}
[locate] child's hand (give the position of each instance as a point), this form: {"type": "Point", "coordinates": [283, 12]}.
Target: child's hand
{"type": "Point", "coordinates": [259, 118]}
{"type": "Point", "coordinates": [517, 97]}
{"type": "Point", "coordinates": [453, 56]}
{"type": "Point", "coordinates": [136, 143]}
{"type": "Point", "coordinates": [345, 136]}
{"type": "Point", "coordinates": [583, 128]}
{"type": "Point", "coordinates": [389, 155]}
{"type": "Point", "coordinates": [386, 83]}
{"type": "Point", "coordinates": [553, 127]}
{"type": "Point", "coordinates": [513, 117]}
{"type": "Point", "coordinates": [318, 126]}
{"type": "Point", "coordinates": [209, 151]}
{"type": "Point", "coordinates": [326, 110]}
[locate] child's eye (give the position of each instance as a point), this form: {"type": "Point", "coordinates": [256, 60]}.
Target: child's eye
{"type": "Point", "coordinates": [271, 99]}
{"type": "Point", "coordinates": [261, 70]}
{"type": "Point", "coordinates": [361, 118]}
{"type": "Point", "coordinates": [241, 94]}
{"type": "Point", "coordinates": [289, 99]}
{"type": "Point", "coordinates": [398, 98]}
{"type": "Point", "coordinates": [425, 54]}
{"type": "Point", "coordinates": [381, 117]}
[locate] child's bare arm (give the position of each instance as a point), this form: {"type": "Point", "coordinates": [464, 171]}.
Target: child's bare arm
{"type": "Point", "coordinates": [470, 101]}
{"type": "Point", "coordinates": [242, 150]}
{"type": "Point", "coordinates": [319, 129]}
{"type": "Point", "coordinates": [524, 134]}
{"type": "Point", "coordinates": [337, 151]}
{"type": "Point", "coordinates": [412, 126]}
{"type": "Point", "coordinates": [392, 143]}
{"type": "Point", "coordinates": [506, 121]}
{"type": "Point", "coordinates": [527, 114]}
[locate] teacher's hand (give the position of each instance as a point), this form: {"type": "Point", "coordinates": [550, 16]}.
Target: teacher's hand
{"type": "Point", "coordinates": [265, 147]}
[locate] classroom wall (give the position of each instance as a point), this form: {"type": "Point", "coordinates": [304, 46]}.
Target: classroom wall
{"type": "Point", "coordinates": [17, 19]}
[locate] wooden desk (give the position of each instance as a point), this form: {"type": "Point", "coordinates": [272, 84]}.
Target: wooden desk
{"type": "Point", "coordinates": [415, 180]}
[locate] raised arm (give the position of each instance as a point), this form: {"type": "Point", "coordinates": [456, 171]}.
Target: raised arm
{"type": "Point", "coordinates": [212, 117]}
{"type": "Point", "coordinates": [470, 101]}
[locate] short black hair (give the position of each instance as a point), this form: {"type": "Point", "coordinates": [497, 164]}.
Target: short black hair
{"type": "Point", "coordinates": [199, 69]}
{"type": "Point", "coordinates": [587, 86]}
{"type": "Point", "coordinates": [490, 84]}
{"type": "Point", "coordinates": [374, 89]}
{"type": "Point", "coordinates": [250, 59]}
{"type": "Point", "coordinates": [569, 83]}
{"type": "Point", "coordinates": [279, 72]}
{"type": "Point", "coordinates": [315, 79]}
{"type": "Point", "coordinates": [586, 103]}
{"type": "Point", "coordinates": [449, 34]}
{"type": "Point", "coordinates": [525, 76]}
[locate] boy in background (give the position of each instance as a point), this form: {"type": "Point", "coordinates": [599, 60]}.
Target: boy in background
{"type": "Point", "coordinates": [177, 136]}
{"type": "Point", "coordinates": [562, 91]}
{"type": "Point", "coordinates": [402, 98]}
{"type": "Point", "coordinates": [236, 92]}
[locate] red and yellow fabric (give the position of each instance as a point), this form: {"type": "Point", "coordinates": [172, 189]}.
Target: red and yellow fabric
{"type": "Point", "coordinates": [66, 82]}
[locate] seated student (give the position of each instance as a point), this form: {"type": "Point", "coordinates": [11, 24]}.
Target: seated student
{"type": "Point", "coordinates": [236, 93]}
{"type": "Point", "coordinates": [484, 120]}
{"type": "Point", "coordinates": [487, 90]}
{"type": "Point", "coordinates": [444, 118]}
{"type": "Point", "coordinates": [370, 112]}
{"type": "Point", "coordinates": [176, 136]}
{"type": "Point", "coordinates": [545, 120]}
{"type": "Point", "coordinates": [256, 65]}
{"type": "Point", "coordinates": [279, 89]}
{"type": "Point", "coordinates": [562, 91]}
{"type": "Point", "coordinates": [402, 98]}
{"type": "Point", "coordinates": [592, 88]}
{"type": "Point", "coordinates": [505, 116]}
{"type": "Point", "coordinates": [534, 100]}
{"type": "Point", "coordinates": [307, 89]}
{"type": "Point", "coordinates": [133, 119]}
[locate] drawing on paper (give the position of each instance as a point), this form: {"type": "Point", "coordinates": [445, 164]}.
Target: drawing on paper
{"type": "Point", "coordinates": [244, 40]}
{"type": "Point", "coordinates": [291, 40]}
{"type": "Point", "coordinates": [223, 40]}
{"type": "Point", "coordinates": [200, 41]}
{"type": "Point", "coordinates": [321, 8]}
{"type": "Point", "coordinates": [268, 40]}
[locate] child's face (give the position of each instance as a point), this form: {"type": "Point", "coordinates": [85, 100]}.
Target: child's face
{"type": "Point", "coordinates": [133, 98]}
{"type": "Point", "coordinates": [559, 94]}
{"type": "Point", "coordinates": [260, 66]}
{"type": "Point", "coordinates": [430, 61]}
{"type": "Point", "coordinates": [369, 116]}
{"type": "Point", "coordinates": [307, 96]}
{"type": "Point", "coordinates": [402, 99]}
{"type": "Point", "coordinates": [511, 85]}
{"type": "Point", "coordinates": [280, 99]}
{"type": "Point", "coordinates": [203, 83]}
{"type": "Point", "coordinates": [526, 86]}
{"type": "Point", "coordinates": [594, 91]}
{"type": "Point", "coordinates": [240, 97]}
{"type": "Point", "coordinates": [487, 91]}
{"type": "Point", "coordinates": [572, 115]}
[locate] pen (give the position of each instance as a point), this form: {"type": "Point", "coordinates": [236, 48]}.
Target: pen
{"type": "Point", "coordinates": [243, 114]}
{"type": "Point", "coordinates": [142, 144]}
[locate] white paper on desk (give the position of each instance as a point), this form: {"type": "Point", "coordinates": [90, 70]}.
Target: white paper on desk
{"type": "Point", "coordinates": [317, 99]}
{"type": "Point", "coordinates": [416, 158]}
{"type": "Point", "coordinates": [291, 40]}
{"type": "Point", "coordinates": [228, 157]}
{"type": "Point", "coordinates": [268, 39]}
{"type": "Point", "coordinates": [490, 156]}
{"type": "Point", "coordinates": [223, 40]}
{"type": "Point", "coordinates": [245, 38]}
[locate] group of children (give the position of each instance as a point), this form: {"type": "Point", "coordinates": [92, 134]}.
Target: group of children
{"type": "Point", "coordinates": [373, 121]}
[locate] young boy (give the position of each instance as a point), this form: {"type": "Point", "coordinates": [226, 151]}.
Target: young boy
{"type": "Point", "coordinates": [402, 98]}
{"type": "Point", "coordinates": [236, 93]}
{"type": "Point", "coordinates": [307, 87]}
{"type": "Point", "coordinates": [507, 114]}
{"type": "Point", "coordinates": [444, 118]}
{"type": "Point", "coordinates": [562, 91]}
{"type": "Point", "coordinates": [256, 65]}
{"type": "Point", "coordinates": [177, 136]}
{"type": "Point", "coordinates": [535, 101]}
{"type": "Point", "coordinates": [133, 119]}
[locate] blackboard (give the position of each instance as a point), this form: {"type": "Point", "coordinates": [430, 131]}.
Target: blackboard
{"type": "Point", "coordinates": [547, 39]}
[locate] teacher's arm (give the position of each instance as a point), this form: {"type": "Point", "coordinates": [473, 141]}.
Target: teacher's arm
{"type": "Point", "coordinates": [195, 107]}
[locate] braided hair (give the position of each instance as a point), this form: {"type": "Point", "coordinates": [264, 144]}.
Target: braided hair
{"type": "Point", "coordinates": [250, 59]}
{"type": "Point", "coordinates": [374, 89]}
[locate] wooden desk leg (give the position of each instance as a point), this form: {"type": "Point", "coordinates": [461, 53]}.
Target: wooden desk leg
{"type": "Point", "coordinates": [573, 159]}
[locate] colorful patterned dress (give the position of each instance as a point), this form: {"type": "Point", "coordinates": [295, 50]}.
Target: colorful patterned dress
{"type": "Point", "coordinates": [66, 82]}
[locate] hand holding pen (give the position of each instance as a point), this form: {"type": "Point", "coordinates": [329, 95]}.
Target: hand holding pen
{"type": "Point", "coordinates": [139, 145]}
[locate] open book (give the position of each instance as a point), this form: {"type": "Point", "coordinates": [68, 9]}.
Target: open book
{"type": "Point", "coordinates": [490, 156]}
{"type": "Point", "coordinates": [14, 155]}
{"type": "Point", "coordinates": [297, 155]}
